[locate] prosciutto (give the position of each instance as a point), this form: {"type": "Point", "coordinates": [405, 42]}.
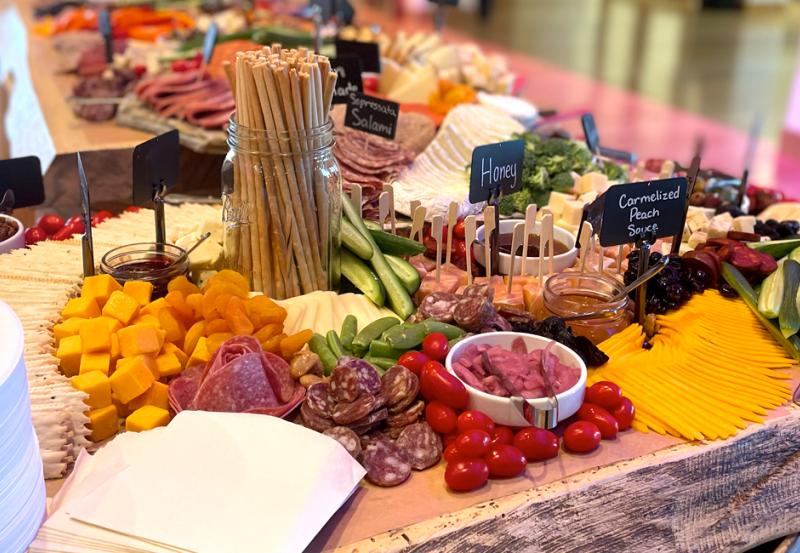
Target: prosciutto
{"type": "Point", "coordinates": [239, 378]}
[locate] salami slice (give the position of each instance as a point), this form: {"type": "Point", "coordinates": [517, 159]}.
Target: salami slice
{"type": "Point", "coordinates": [348, 412]}
{"type": "Point", "coordinates": [362, 426]}
{"type": "Point", "coordinates": [420, 445]}
{"type": "Point", "coordinates": [369, 380]}
{"type": "Point", "coordinates": [409, 416]}
{"type": "Point", "coordinates": [349, 439]}
{"type": "Point", "coordinates": [400, 387]}
{"type": "Point", "coordinates": [314, 421]}
{"type": "Point", "coordinates": [471, 311]}
{"type": "Point", "coordinates": [438, 305]}
{"type": "Point", "coordinates": [238, 386]}
{"type": "Point", "coordinates": [319, 400]}
{"type": "Point", "coordinates": [230, 350]}
{"type": "Point", "coordinates": [344, 384]}
{"type": "Point", "coordinates": [385, 462]}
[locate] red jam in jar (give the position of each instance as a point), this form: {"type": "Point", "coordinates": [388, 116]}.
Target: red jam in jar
{"type": "Point", "coordinates": [147, 261]}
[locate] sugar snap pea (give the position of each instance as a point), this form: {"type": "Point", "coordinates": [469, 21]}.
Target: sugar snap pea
{"type": "Point", "coordinates": [318, 345]}
{"type": "Point", "coordinates": [372, 332]}
{"type": "Point", "coordinates": [348, 333]}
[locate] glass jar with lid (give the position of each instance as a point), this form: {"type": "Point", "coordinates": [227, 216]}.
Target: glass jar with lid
{"type": "Point", "coordinates": [281, 194]}
{"type": "Point", "coordinates": [572, 294]}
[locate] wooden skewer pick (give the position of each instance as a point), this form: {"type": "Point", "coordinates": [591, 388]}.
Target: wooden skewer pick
{"type": "Point", "coordinates": [392, 219]}
{"type": "Point", "coordinates": [620, 251]}
{"type": "Point", "coordinates": [530, 221]}
{"type": "Point", "coordinates": [600, 257]}
{"type": "Point", "coordinates": [516, 239]}
{"type": "Point", "coordinates": [488, 229]}
{"type": "Point", "coordinates": [586, 232]}
{"type": "Point", "coordinates": [383, 209]}
{"type": "Point", "coordinates": [551, 245]}
{"type": "Point", "coordinates": [418, 222]}
{"type": "Point", "coordinates": [355, 196]}
{"type": "Point", "coordinates": [469, 238]}
{"type": "Point", "coordinates": [452, 217]}
{"type": "Point", "coordinates": [547, 226]}
{"type": "Point", "coordinates": [412, 206]}
{"type": "Point", "coordinates": [436, 230]}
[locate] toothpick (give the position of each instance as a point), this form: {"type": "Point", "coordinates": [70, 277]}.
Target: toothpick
{"type": "Point", "coordinates": [436, 231]}
{"type": "Point", "coordinates": [551, 245]}
{"type": "Point", "coordinates": [452, 217]}
{"type": "Point", "coordinates": [620, 251]}
{"type": "Point", "coordinates": [600, 257]}
{"type": "Point", "coordinates": [469, 238]}
{"type": "Point", "coordinates": [547, 225]}
{"type": "Point", "coordinates": [488, 228]}
{"type": "Point", "coordinates": [530, 223]}
{"type": "Point", "coordinates": [417, 222]}
{"type": "Point", "coordinates": [585, 233]}
{"type": "Point", "coordinates": [389, 189]}
{"type": "Point", "coordinates": [516, 238]}
{"type": "Point", "coordinates": [383, 209]}
{"type": "Point", "coordinates": [412, 206]}
{"type": "Point", "coordinates": [355, 196]}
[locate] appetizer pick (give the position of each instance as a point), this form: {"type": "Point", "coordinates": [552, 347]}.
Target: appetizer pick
{"type": "Point", "coordinates": [469, 238]}
{"type": "Point", "coordinates": [436, 230]}
{"type": "Point", "coordinates": [383, 209]}
{"type": "Point", "coordinates": [488, 229]}
{"type": "Point", "coordinates": [452, 218]}
{"type": "Point", "coordinates": [530, 221]}
{"type": "Point", "coordinates": [516, 238]}
{"type": "Point", "coordinates": [417, 222]}
{"type": "Point", "coordinates": [389, 189]}
{"type": "Point", "coordinates": [546, 231]}
{"type": "Point", "coordinates": [355, 195]}
{"type": "Point", "coordinates": [586, 233]}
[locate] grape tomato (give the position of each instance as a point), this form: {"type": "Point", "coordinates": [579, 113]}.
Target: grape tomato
{"type": "Point", "coordinates": [604, 421]}
{"type": "Point", "coordinates": [505, 461]}
{"type": "Point", "coordinates": [451, 453]}
{"type": "Point", "coordinates": [537, 444]}
{"type": "Point", "coordinates": [448, 439]}
{"type": "Point", "coordinates": [436, 383]}
{"type": "Point", "coordinates": [605, 394]}
{"type": "Point", "coordinates": [582, 437]}
{"type": "Point", "coordinates": [34, 235]}
{"type": "Point", "coordinates": [50, 223]}
{"type": "Point", "coordinates": [624, 414]}
{"type": "Point", "coordinates": [466, 474]}
{"type": "Point", "coordinates": [473, 443]}
{"type": "Point", "coordinates": [473, 419]}
{"type": "Point", "coordinates": [413, 361]}
{"type": "Point", "coordinates": [435, 345]}
{"type": "Point", "coordinates": [459, 230]}
{"type": "Point", "coordinates": [440, 417]}
{"type": "Point", "coordinates": [502, 435]}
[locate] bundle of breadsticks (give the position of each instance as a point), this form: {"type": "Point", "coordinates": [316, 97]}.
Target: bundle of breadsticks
{"type": "Point", "coordinates": [282, 102]}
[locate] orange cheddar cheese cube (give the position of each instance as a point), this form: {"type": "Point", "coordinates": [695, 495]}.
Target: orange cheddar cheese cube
{"type": "Point", "coordinates": [104, 421]}
{"type": "Point", "coordinates": [81, 307]}
{"type": "Point", "coordinates": [69, 352]}
{"type": "Point", "coordinates": [99, 287]}
{"type": "Point", "coordinates": [138, 339]}
{"type": "Point", "coordinates": [95, 336]}
{"type": "Point", "coordinates": [168, 364]}
{"type": "Point", "coordinates": [121, 306]}
{"type": "Point", "coordinates": [146, 418]}
{"type": "Point", "coordinates": [115, 354]}
{"type": "Point", "coordinates": [97, 385]}
{"type": "Point", "coordinates": [148, 360]}
{"type": "Point", "coordinates": [182, 285]}
{"type": "Point", "coordinates": [95, 362]}
{"type": "Point", "coordinates": [132, 377]}
{"type": "Point", "coordinates": [139, 290]}
{"type": "Point", "coordinates": [154, 307]}
{"type": "Point", "coordinates": [122, 409]}
{"type": "Point", "coordinates": [172, 325]}
{"type": "Point", "coordinates": [200, 355]}
{"type": "Point", "coordinates": [169, 347]}
{"type": "Point", "coordinates": [156, 395]}
{"type": "Point", "coordinates": [70, 327]}
{"type": "Point", "coordinates": [147, 320]}
{"type": "Point", "coordinates": [113, 324]}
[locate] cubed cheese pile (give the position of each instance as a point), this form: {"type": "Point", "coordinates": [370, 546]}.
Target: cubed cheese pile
{"type": "Point", "coordinates": [121, 348]}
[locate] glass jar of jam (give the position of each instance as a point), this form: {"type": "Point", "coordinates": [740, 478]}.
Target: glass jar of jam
{"type": "Point", "coordinates": [148, 261]}
{"type": "Point", "coordinates": [573, 294]}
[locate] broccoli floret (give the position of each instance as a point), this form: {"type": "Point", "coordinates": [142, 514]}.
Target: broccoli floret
{"type": "Point", "coordinates": [554, 147]}
{"type": "Point", "coordinates": [614, 171]}
{"type": "Point", "coordinates": [562, 182]}
{"type": "Point", "coordinates": [514, 203]}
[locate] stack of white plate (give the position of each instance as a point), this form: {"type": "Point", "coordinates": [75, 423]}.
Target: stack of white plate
{"type": "Point", "coordinates": [22, 493]}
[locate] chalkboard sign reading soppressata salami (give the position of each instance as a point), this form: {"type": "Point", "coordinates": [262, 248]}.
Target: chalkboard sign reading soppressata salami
{"type": "Point", "coordinates": [348, 79]}
{"type": "Point", "coordinates": [495, 167]}
{"type": "Point", "coordinates": [637, 210]}
{"type": "Point", "coordinates": [372, 115]}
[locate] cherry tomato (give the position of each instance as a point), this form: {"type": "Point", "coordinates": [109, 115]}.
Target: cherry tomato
{"type": "Point", "coordinates": [139, 69]}
{"type": "Point", "coordinates": [582, 437]}
{"type": "Point", "coordinates": [452, 454]}
{"type": "Point", "coordinates": [101, 216]}
{"type": "Point", "coordinates": [607, 424]}
{"type": "Point", "coordinates": [472, 419]}
{"type": "Point", "coordinates": [450, 438]}
{"type": "Point", "coordinates": [436, 346]}
{"type": "Point", "coordinates": [473, 443]}
{"type": "Point", "coordinates": [458, 229]}
{"type": "Point", "coordinates": [132, 209]}
{"type": "Point", "coordinates": [370, 83]}
{"type": "Point", "coordinates": [76, 223]}
{"type": "Point", "coordinates": [466, 475]}
{"type": "Point", "coordinates": [459, 250]}
{"type": "Point", "coordinates": [413, 361]}
{"type": "Point", "coordinates": [436, 383]}
{"type": "Point", "coordinates": [624, 413]}
{"type": "Point", "coordinates": [63, 233]}
{"type": "Point", "coordinates": [537, 444]}
{"type": "Point", "coordinates": [441, 417]}
{"type": "Point", "coordinates": [502, 435]}
{"type": "Point", "coordinates": [34, 235]}
{"type": "Point", "coordinates": [605, 394]}
{"type": "Point", "coordinates": [505, 461]}
{"type": "Point", "coordinates": [51, 223]}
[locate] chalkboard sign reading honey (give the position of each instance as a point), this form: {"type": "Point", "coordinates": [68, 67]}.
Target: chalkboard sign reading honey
{"type": "Point", "coordinates": [372, 115]}
{"type": "Point", "coordinates": [495, 167]}
{"type": "Point", "coordinates": [636, 210]}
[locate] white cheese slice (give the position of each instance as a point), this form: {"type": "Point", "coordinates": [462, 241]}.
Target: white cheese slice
{"type": "Point", "coordinates": [390, 70]}
{"type": "Point", "coordinates": [745, 223]}
{"type": "Point", "coordinates": [445, 57]}
{"type": "Point", "coordinates": [719, 225]}
{"type": "Point", "coordinates": [418, 89]}
{"type": "Point", "coordinates": [697, 238]}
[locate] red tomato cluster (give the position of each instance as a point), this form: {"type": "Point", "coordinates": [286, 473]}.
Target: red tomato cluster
{"type": "Point", "coordinates": [51, 226]}
{"type": "Point", "coordinates": [604, 413]}
{"type": "Point", "coordinates": [435, 347]}
{"type": "Point", "coordinates": [459, 245]}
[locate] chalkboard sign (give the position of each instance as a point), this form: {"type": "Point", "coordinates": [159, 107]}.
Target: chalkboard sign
{"type": "Point", "coordinates": [444, 2]}
{"type": "Point", "coordinates": [366, 52]}
{"type": "Point", "coordinates": [348, 79]}
{"type": "Point", "coordinates": [372, 115]}
{"type": "Point", "coordinates": [496, 166]}
{"type": "Point", "coordinates": [633, 211]}
{"type": "Point", "coordinates": [23, 176]}
{"type": "Point", "coordinates": [155, 163]}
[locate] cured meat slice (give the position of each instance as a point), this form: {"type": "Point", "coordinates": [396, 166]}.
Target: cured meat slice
{"type": "Point", "coordinates": [347, 438]}
{"type": "Point", "coordinates": [344, 384]}
{"type": "Point", "coordinates": [409, 416]}
{"type": "Point", "coordinates": [349, 412]}
{"type": "Point", "coordinates": [183, 389]}
{"type": "Point", "coordinates": [229, 351]}
{"type": "Point", "coordinates": [385, 462]}
{"type": "Point", "coordinates": [314, 421]}
{"type": "Point", "coordinates": [471, 312]}
{"type": "Point", "coordinates": [400, 386]}
{"type": "Point", "coordinates": [319, 400]}
{"type": "Point", "coordinates": [277, 371]}
{"type": "Point", "coordinates": [438, 305]}
{"type": "Point", "coordinates": [421, 446]}
{"type": "Point", "coordinates": [238, 386]}
{"type": "Point", "coordinates": [362, 426]}
{"type": "Point", "coordinates": [281, 410]}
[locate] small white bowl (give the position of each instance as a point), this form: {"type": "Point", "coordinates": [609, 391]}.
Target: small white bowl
{"type": "Point", "coordinates": [501, 409]}
{"type": "Point", "coordinates": [560, 262]}
{"type": "Point", "coordinates": [17, 240]}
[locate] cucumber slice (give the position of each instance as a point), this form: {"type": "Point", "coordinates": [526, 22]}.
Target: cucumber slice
{"type": "Point", "coordinates": [789, 317]}
{"type": "Point", "coordinates": [405, 271]}
{"type": "Point", "coordinates": [354, 270]}
{"type": "Point", "coordinates": [391, 243]}
{"type": "Point", "coordinates": [776, 248]}
{"type": "Point", "coordinates": [353, 241]}
{"type": "Point", "coordinates": [771, 296]}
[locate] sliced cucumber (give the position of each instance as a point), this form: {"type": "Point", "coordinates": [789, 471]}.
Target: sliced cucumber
{"type": "Point", "coordinates": [789, 318]}
{"type": "Point", "coordinates": [391, 243]}
{"type": "Point", "coordinates": [353, 241]}
{"type": "Point", "coordinates": [771, 295]}
{"type": "Point", "coordinates": [795, 254]}
{"type": "Point", "coordinates": [405, 271]}
{"type": "Point", "coordinates": [776, 248]}
{"type": "Point", "coordinates": [362, 277]}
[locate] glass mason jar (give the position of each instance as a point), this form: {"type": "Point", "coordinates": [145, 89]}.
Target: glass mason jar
{"type": "Point", "coordinates": [148, 261]}
{"type": "Point", "coordinates": [281, 198]}
{"type": "Point", "coordinates": [571, 294]}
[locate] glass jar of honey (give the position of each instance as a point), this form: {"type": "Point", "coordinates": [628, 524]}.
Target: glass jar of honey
{"type": "Point", "coordinates": [572, 294]}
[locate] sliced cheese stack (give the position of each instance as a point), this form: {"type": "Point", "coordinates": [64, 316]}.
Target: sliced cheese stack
{"type": "Point", "coordinates": [22, 493]}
